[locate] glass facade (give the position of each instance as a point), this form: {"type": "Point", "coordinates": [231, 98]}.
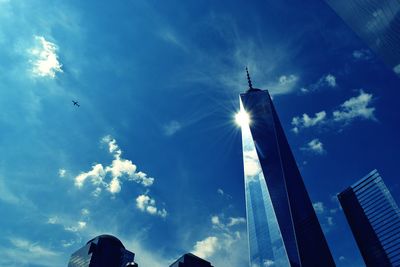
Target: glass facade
{"type": "Point", "coordinates": [282, 225]}
{"type": "Point", "coordinates": [374, 219]}
{"type": "Point", "coordinates": [102, 251]}
{"type": "Point", "coordinates": [377, 22]}
{"type": "Point", "coordinates": [190, 260]}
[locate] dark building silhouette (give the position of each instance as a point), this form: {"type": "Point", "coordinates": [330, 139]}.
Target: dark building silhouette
{"type": "Point", "coordinates": [374, 219]}
{"type": "Point", "coordinates": [103, 251]}
{"type": "Point", "coordinates": [377, 23]}
{"type": "Point", "coordinates": [283, 229]}
{"type": "Point", "coordinates": [190, 260]}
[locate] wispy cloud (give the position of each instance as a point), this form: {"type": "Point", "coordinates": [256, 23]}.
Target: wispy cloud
{"type": "Point", "coordinates": [31, 247]}
{"type": "Point", "coordinates": [25, 252]}
{"type": "Point", "coordinates": [315, 146]}
{"type": "Point", "coordinates": [171, 37]}
{"type": "Point", "coordinates": [44, 58]}
{"type": "Point", "coordinates": [147, 204]}
{"type": "Point", "coordinates": [119, 168]}
{"type": "Point", "coordinates": [362, 54]}
{"type": "Point", "coordinates": [396, 69]}
{"type": "Point", "coordinates": [222, 193]}
{"type": "Point", "coordinates": [79, 226]}
{"type": "Point", "coordinates": [6, 194]}
{"type": "Point", "coordinates": [69, 224]}
{"type": "Point", "coordinates": [326, 81]}
{"type": "Point", "coordinates": [172, 128]}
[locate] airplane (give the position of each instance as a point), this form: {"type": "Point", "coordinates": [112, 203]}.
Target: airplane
{"type": "Point", "coordinates": [76, 103]}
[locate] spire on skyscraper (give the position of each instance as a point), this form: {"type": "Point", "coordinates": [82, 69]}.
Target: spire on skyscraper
{"type": "Point", "coordinates": [248, 79]}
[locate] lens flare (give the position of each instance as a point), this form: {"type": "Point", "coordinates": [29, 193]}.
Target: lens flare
{"type": "Point", "coordinates": [242, 118]}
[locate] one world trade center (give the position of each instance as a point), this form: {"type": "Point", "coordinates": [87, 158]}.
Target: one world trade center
{"type": "Point", "coordinates": [283, 229]}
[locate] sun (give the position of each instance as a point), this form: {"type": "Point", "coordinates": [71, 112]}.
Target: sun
{"type": "Point", "coordinates": [242, 118]}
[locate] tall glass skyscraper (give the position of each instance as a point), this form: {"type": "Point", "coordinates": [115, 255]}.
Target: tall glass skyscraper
{"type": "Point", "coordinates": [102, 251]}
{"type": "Point", "coordinates": [374, 219]}
{"type": "Point", "coordinates": [283, 228]}
{"type": "Point", "coordinates": [377, 22]}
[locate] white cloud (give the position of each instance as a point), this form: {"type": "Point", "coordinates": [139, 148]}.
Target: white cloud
{"type": "Point", "coordinates": [304, 90]}
{"type": "Point", "coordinates": [236, 221]}
{"type": "Point", "coordinates": [119, 169]}
{"type": "Point", "coordinates": [306, 121]}
{"type": "Point", "coordinates": [78, 226]}
{"type": "Point", "coordinates": [283, 80]}
{"type": "Point", "coordinates": [85, 212]}
{"type": "Point", "coordinates": [53, 220]}
{"type": "Point", "coordinates": [215, 221]}
{"type": "Point", "coordinates": [396, 69]}
{"type": "Point", "coordinates": [97, 192]}
{"type": "Point", "coordinates": [362, 54]}
{"type": "Point", "coordinates": [45, 60]}
{"type": "Point", "coordinates": [351, 109]}
{"type": "Point", "coordinates": [96, 175]}
{"type": "Point", "coordinates": [268, 263]}
{"type": "Point", "coordinates": [319, 207]}
{"type": "Point", "coordinates": [146, 204]}
{"type": "Point", "coordinates": [67, 244]}
{"type": "Point", "coordinates": [222, 193]}
{"type": "Point", "coordinates": [284, 84]}
{"type": "Point", "coordinates": [206, 247]}
{"type": "Point", "coordinates": [172, 128]}
{"type": "Point", "coordinates": [62, 172]}
{"type": "Point", "coordinates": [330, 80]}
{"type": "Point", "coordinates": [251, 163]}
{"type": "Point", "coordinates": [329, 220]}
{"type": "Point", "coordinates": [143, 179]}
{"type": "Point", "coordinates": [114, 186]}
{"type": "Point", "coordinates": [226, 242]}
{"type": "Point", "coordinates": [315, 146]}
{"type": "Point", "coordinates": [355, 107]}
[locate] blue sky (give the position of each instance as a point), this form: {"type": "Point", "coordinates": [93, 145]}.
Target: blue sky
{"type": "Point", "coordinates": [153, 155]}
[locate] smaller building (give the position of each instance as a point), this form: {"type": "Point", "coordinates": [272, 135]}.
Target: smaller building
{"type": "Point", "coordinates": [103, 251]}
{"type": "Point", "coordinates": [190, 260]}
{"type": "Point", "coordinates": [374, 219]}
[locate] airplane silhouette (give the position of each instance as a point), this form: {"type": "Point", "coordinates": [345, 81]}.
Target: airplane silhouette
{"type": "Point", "coordinates": [76, 103]}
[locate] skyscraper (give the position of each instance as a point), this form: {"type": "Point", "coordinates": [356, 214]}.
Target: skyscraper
{"type": "Point", "coordinates": [377, 23]}
{"type": "Point", "coordinates": [283, 228]}
{"type": "Point", "coordinates": [102, 251]}
{"type": "Point", "coordinates": [374, 219]}
{"type": "Point", "coordinates": [190, 260]}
